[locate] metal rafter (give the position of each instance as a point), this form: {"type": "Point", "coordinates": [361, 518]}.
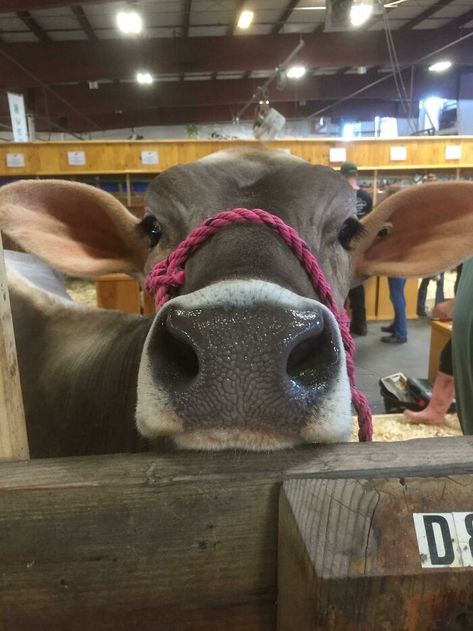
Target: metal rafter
{"type": "Point", "coordinates": [9, 6]}
{"type": "Point", "coordinates": [33, 26]}
{"type": "Point", "coordinates": [60, 62]}
{"type": "Point", "coordinates": [84, 23]}
{"type": "Point", "coordinates": [460, 20]}
{"type": "Point", "coordinates": [440, 4]}
{"type": "Point", "coordinates": [285, 15]}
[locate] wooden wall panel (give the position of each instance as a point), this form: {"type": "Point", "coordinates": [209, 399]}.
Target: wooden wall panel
{"type": "Point", "coordinates": [111, 156]}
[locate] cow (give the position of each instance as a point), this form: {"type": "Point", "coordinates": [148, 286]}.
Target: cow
{"type": "Point", "coordinates": [244, 355]}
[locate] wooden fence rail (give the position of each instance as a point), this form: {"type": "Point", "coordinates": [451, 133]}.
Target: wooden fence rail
{"type": "Point", "coordinates": [191, 541]}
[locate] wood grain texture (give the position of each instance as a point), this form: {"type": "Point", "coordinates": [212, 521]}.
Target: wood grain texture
{"type": "Point", "coordinates": [349, 559]}
{"type": "Point", "coordinates": [13, 438]}
{"type": "Point", "coordinates": [420, 457]}
{"type": "Point", "coordinates": [178, 556]}
{"type": "Point", "coordinates": [173, 540]}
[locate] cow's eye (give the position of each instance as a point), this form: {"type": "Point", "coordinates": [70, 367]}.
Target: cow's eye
{"type": "Point", "coordinates": [351, 229]}
{"type": "Point", "coordinates": [149, 227]}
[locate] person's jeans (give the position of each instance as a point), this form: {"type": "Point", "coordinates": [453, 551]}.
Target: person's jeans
{"type": "Point", "coordinates": [396, 293]}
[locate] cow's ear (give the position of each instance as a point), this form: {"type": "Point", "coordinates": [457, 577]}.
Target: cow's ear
{"type": "Point", "coordinates": [418, 231]}
{"type": "Point", "coordinates": [76, 228]}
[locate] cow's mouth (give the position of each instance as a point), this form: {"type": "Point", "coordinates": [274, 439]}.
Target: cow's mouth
{"type": "Point", "coordinates": [235, 438]}
{"type": "Point", "coordinates": [245, 365]}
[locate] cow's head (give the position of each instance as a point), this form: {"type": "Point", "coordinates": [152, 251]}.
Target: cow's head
{"type": "Point", "coordinates": [245, 356]}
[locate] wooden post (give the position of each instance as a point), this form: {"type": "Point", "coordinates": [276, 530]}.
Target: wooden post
{"type": "Point", "coordinates": [376, 554]}
{"type": "Point", "coordinates": [13, 437]}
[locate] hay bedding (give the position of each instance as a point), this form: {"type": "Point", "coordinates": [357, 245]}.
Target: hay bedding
{"type": "Point", "coordinates": [82, 290]}
{"type": "Point", "coordinates": [387, 427]}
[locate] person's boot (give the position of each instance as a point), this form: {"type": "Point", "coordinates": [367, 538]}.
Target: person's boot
{"type": "Point", "coordinates": [358, 326]}
{"type": "Point", "coordinates": [443, 394]}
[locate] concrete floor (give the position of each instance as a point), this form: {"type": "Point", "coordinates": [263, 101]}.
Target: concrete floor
{"type": "Point", "coordinates": [374, 359]}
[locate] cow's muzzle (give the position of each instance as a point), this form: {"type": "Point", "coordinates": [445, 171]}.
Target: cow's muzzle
{"type": "Point", "coordinates": [253, 361]}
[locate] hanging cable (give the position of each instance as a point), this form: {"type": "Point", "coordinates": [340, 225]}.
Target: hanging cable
{"type": "Point", "coordinates": [397, 72]}
{"type": "Point", "coordinates": [388, 76]}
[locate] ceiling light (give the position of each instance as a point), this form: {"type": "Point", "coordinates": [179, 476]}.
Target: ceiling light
{"type": "Point", "coordinates": [245, 19]}
{"type": "Point", "coordinates": [144, 78]}
{"type": "Point", "coordinates": [440, 66]}
{"type": "Point", "coordinates": [129, 22]}
{"type": "Point", "coordinates": [295, 72]}
{"type": "Point", "coordinates": [360, 12]}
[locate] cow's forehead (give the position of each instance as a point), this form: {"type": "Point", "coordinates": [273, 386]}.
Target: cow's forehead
{"type": "Point", "coordinates": [278, 182]}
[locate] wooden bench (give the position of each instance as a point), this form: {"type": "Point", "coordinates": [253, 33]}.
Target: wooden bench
{"type": "Point", "coordinates": [121, 292]}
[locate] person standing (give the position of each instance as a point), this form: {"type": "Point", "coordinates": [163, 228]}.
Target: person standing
{"type": "Point", "coordinates": [462, 347]}
{"type": "Point", "coordinates": [422, 292]}
{"type": "Point", "coordinates": [364, 205]}
{"type": "Point", "coordinates": [398, 328]}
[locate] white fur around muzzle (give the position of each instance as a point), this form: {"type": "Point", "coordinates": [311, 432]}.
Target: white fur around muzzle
{"type": "Point", "coordinates": [156, 417]}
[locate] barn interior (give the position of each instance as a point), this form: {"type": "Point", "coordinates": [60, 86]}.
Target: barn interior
{"type": "Point", "coordinates": [271, 521]}
{"type": "Point", "coordinates": [284, 71]}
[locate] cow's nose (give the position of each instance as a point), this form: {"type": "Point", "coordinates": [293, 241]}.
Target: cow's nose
{"type": "Point", "coordinates": [257, 366]}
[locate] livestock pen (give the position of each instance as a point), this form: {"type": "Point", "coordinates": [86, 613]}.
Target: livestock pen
{"type": "Point", "coordinates": [356, 536]}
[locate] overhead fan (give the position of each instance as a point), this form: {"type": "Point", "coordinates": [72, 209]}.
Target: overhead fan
{"type": "Point", "coordinates": [268, 122]}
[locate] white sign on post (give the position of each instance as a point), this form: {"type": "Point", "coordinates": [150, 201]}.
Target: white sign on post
{"type": "Point", "coordinates": [338, 154]}
{"type": "Point", "coordinates": [444, 539]}
{"type": "Point", "coordinates": [15, 160]}
{"type": "Point", "coordinates": [76, 158]}
{"type": "Point", "coordinates": [149, 157]}
{"type": "Point", "coordinates": [16, 103]}
{"type": "Point", "coordinates": [398, 152]}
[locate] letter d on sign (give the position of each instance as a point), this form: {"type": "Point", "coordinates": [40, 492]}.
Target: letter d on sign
{"type": "Point", "coordinates": [437, 541]}
{"type": "Point", "coordinates": [439, 538]}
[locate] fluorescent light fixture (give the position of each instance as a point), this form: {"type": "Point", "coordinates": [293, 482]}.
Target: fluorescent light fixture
{"type": "Point", "coordinates": [360, 12]}
{"type": "Point", "coordinates": [129, 22]}
{"type": "Point", "coordinates": [245, 19]}
{"type": "Point", "coordinates": [440, 66]}
{"type": "Point", "coordinates": [144, 78]}
{"type": "Point", "coordinates": [295, 72]}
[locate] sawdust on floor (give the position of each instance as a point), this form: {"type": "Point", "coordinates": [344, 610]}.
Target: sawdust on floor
{"type": "Point", "coordinates": [391, 427]}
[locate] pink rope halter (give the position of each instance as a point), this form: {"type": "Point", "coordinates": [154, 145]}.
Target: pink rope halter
{"type": "Point", "coordinates": [170, 273]}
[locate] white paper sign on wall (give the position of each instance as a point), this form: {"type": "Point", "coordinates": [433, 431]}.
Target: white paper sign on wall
{"type": "Point", "coordinates": [149, 157]}
{"type": "Point", "coordinates": [453, 152]}
{"type": "Point", "coordinates": [15, 160]}
{"type": "Point", "coordinates": [338, 154]}
{"type": "Point", "coordinates": [16, 103]}
{"type": "Point", "coordinates": [444, 539]}
{"type": "Point", "coordinates": [398, 152]}
{"type": "Point", "coordinates": [76, 158]}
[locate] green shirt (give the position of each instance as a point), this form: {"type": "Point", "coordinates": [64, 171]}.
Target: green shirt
{"type": "Point", "coordinates": [462, 347]}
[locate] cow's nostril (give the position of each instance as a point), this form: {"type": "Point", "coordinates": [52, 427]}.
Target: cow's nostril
{"type": "Point", "coordinates": [177, 356]}
{"type": "Point", "coordinates": [312, 357]}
